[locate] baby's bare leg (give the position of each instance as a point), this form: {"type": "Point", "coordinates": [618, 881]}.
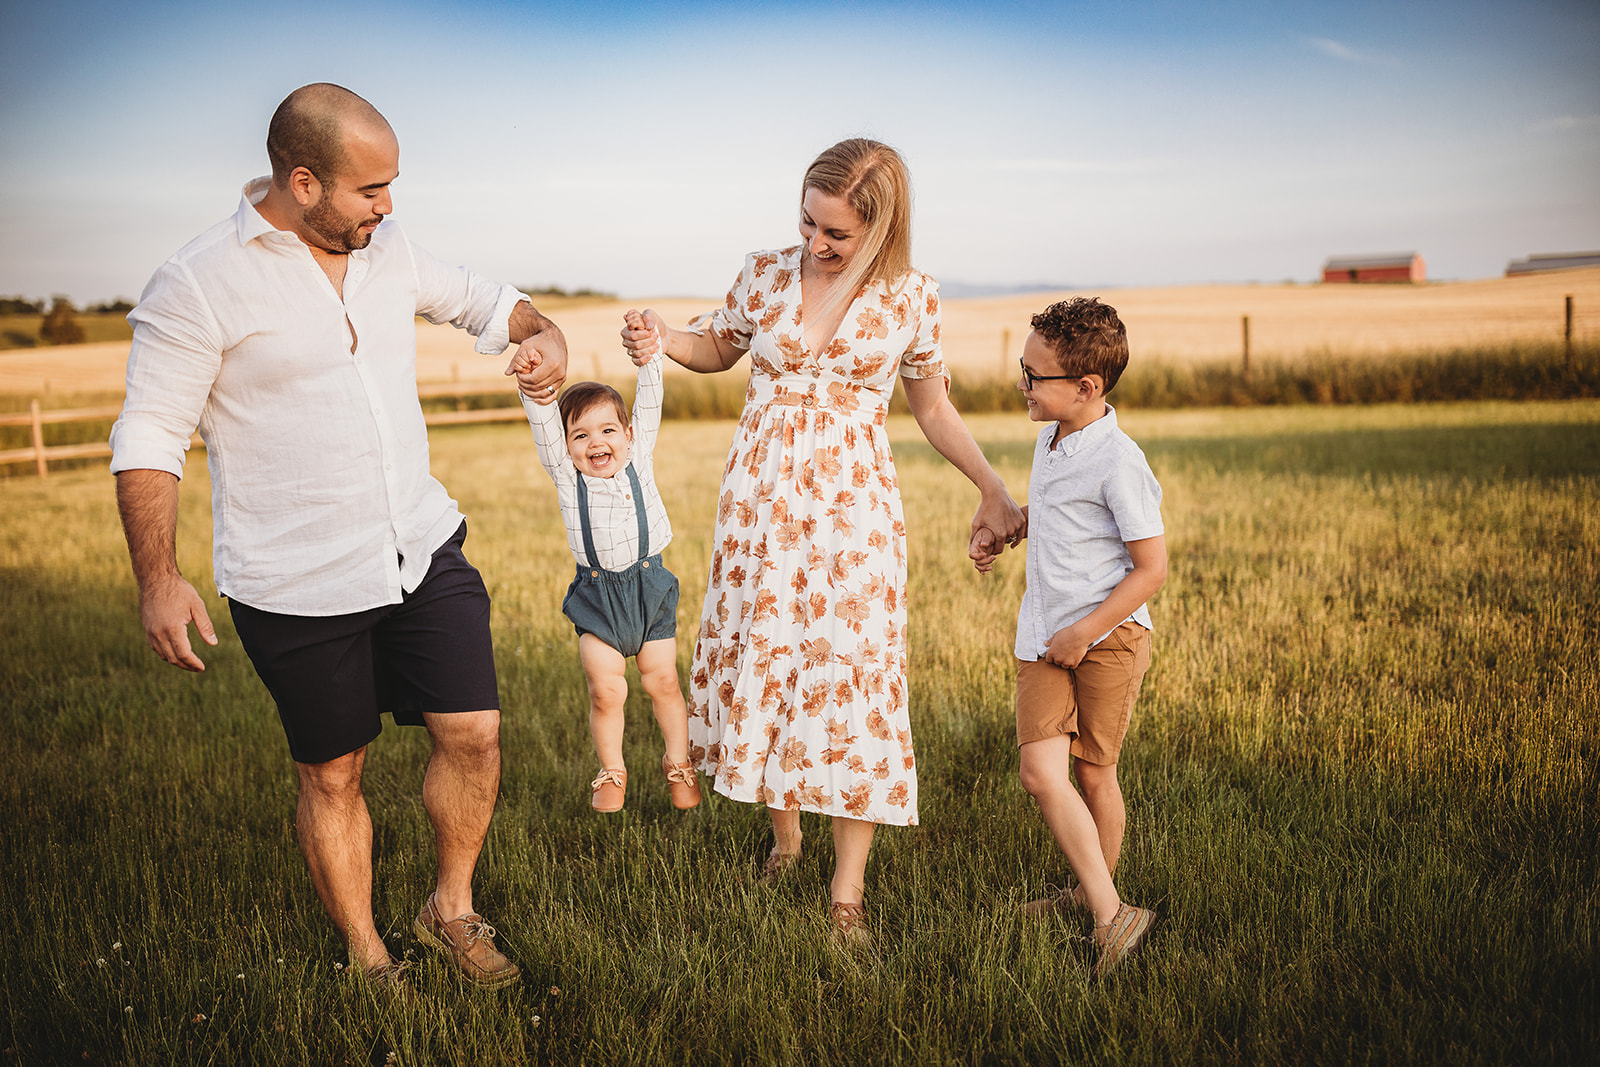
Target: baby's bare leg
{"type": "Point", "coordinates": [658, 672]}
{"type": "Point", "coordinates": [606, 670]}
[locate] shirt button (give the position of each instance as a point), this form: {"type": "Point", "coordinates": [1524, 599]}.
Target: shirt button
{"type": "Point", "coordinates": [388, 466]}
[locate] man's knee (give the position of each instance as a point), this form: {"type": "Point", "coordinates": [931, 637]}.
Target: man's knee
{"type": "Point", "coordinates": [466, 734]}
{"type": "Point", "coordinates": [336, 780]}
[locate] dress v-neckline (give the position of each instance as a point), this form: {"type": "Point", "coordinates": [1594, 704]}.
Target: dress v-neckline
{"type": "Point", "coordinates": [800, 312]}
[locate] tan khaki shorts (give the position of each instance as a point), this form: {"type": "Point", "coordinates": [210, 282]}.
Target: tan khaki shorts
{"type": "Point", "coordinates": [1090, 703]}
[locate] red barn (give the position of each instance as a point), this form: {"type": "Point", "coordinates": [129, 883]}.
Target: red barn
{"type": "Point", "coordinates": [1400, 267]}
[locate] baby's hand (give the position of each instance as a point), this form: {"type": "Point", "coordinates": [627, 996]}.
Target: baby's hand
{"type": "Point", "coordinates": [523, 364]}
{"type": "Point", "coordinates": [984, 549]}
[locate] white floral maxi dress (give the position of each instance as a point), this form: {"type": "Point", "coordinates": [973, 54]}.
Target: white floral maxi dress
{"type": "Point", "coordinates": [798, 689]}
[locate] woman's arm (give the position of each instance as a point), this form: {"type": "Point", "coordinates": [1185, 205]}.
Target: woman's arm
{"type": "Point", "coordinates": [703, 352]}
{"type": "Point", "coordinates": [941, 424]}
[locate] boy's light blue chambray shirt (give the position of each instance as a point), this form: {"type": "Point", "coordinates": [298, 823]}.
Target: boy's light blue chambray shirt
{"type": "Point", "coordinates": [1087, 497]}
{"type": "Point", "coordinates": [320, 490]}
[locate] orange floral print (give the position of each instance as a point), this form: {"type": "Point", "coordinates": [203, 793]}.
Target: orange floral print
{"type": "Point", "coordinates": [797, 688]}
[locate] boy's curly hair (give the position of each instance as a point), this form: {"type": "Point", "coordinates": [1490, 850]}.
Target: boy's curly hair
{"type": "Point", "coordinates": [1086, 337]}
{"type": "Point", "coordinates": [579, 397]}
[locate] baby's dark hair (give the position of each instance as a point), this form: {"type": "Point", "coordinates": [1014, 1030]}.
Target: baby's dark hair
{"type": "Point", "coordinates": [1086, 337]}
{"type": "Point", "coordinates": [581, 396]}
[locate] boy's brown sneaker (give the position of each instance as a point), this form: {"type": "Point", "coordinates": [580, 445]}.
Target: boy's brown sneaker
{"type": "Point", "coordinates": [1056, 901]}
{"type": "Point", "coordinates": [1119, 937]}
{"type": "Point", "coordinates": [468, 940]}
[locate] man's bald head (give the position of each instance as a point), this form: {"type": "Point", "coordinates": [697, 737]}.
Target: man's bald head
{"type": "Point", "coordinates": [309, 128]}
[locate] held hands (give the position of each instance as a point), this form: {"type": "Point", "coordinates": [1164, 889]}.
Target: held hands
{"type": "Point", "coordinates": [535, 380]}
{"type": "Point", "coordinates": [998, 523]}
{"type": "Point", "coordinates": [540, 365]}
{"type": "Point", "coordinates": [166, 608]}
{"type": "Point", "coordinates": [642, 335]}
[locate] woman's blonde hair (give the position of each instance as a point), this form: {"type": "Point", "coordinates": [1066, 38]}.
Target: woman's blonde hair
{"type": "Point", "coordinates": [870, 177]}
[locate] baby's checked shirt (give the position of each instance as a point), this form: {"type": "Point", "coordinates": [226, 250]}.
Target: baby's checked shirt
{"type": "Point", "coordinates": [612, 519]}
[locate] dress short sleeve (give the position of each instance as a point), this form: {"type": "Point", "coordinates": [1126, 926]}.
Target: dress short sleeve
{"type": "Point", "coordinates": [924, 358]}
{"type": "Point", "coordinates": [731, 322]}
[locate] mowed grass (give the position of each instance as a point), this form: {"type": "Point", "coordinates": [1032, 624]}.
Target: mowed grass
{"type": "Point", "coordinates": [1361, 781]}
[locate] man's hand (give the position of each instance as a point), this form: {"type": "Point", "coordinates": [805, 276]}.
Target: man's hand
{"type": "Point", "coordinates": [540, 362]}
{"type": "Point", "coordinates": [166, 608]}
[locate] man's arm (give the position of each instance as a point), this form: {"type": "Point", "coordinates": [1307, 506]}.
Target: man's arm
{"type": "Point", "coordinates": [541, 346]}
{"type": "Point", "coordinates": [148, 503]}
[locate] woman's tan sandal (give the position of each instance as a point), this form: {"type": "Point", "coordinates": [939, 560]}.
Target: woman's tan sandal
{"type": "Point", "coordinates": [847, 926]}
{"type": "Point", "coordinates": [610, 790]}
{"type": "Point", "coordinates": [778, 864]}
{"type": "Point", "coordinates": [682, 782]}
{"type": "Point", "coordinates": [1119, 937]}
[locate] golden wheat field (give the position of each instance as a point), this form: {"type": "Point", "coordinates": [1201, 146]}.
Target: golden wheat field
{"type": "Point", "coordinates": [984, 336]}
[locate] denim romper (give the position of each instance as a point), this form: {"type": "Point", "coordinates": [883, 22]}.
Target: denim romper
{"type": "Point", "coordinates": [623, 608]}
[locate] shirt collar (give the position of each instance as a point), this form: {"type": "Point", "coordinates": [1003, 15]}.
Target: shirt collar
{"type": "Point", "coordinates": [1090, 435]}
{"type": "Point", "coordinates": [251, 224]}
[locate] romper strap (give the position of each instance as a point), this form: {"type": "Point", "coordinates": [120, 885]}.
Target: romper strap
{"type": "Point", "coordinates": [638, 512]}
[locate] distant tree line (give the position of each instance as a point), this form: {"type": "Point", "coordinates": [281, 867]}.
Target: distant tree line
{"type": "Point", "coordinates": [59, 325]}
{"type": "Point", "coordinates": [556, 290]}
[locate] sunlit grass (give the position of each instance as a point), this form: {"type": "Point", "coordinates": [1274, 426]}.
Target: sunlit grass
{"type": "Point", "coordinates": [1361, 779]}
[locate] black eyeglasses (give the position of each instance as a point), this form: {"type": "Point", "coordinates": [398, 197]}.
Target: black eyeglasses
{"type": "Point", "coordinates": [1032, 377]}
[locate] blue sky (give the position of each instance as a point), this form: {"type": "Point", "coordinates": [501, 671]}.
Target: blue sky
{"type": "Point", "coordinates": [643, 148]}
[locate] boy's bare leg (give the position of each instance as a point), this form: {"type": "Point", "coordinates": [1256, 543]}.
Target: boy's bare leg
{"type": "Point", "coordinates": [458, 792]}
{"type": "Point", "coordinates": [852, 843]}
{"type": "Point", "coordinates": [1102, 793]}
{"type": "Point", "coordinates": [1046, 775]}
{"type": "Point", "coordinates": [335, 833]}
{"type": "Point", "coordinates": [606, 670]}
{"type": "Point", "coordinates": [658, 673]}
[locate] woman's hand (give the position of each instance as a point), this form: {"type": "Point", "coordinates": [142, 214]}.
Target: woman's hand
{"type": "Point", "coordinates": [1001, 517]}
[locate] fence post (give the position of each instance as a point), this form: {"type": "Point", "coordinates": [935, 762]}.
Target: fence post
{"type": "Point", "coordinates": [1245, 364]}
{"type": "Point", "coordinates": [1005, 352]}
{"type": "Point", "coordinates": [38, 438]}
{"type": "Point", "coordinates": [1572, 367]}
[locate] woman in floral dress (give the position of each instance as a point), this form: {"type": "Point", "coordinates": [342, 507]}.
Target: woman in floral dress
{"type": "Point", "coordinates": [798, 687]}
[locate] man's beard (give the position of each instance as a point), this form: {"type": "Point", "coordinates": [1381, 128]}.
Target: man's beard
{"type": "Point", "coordinates": [341, 234]}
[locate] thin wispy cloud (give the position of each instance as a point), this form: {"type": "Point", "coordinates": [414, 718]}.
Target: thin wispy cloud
{"type": "Point", "coordinates": [1070, 166]}
{"type": "Point", "coordinates": [1344, 53]}
{"type": "Point", "coordinates": [1568, 124]}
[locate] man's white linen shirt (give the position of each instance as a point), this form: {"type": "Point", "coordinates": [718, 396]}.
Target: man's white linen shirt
{"type": "Point", "coordinates": [1087, 497]}
{"type": "Point", "coordinates": [613, 520]}
{"type": "Point", "coordinates": [322, 499]}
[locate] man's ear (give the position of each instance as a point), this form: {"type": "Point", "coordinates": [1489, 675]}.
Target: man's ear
{"type": "Point", "coordinates": [304, 186]}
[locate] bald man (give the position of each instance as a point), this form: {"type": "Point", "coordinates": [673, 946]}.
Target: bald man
{"type": "Point", "coordinates": [286, 334]}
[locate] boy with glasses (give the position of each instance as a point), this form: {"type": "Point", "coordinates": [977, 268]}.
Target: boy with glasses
{"type": "Point", "coordinates": [1096, 554]}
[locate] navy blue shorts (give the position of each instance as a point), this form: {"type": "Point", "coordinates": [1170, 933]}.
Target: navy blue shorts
{"type": "Point", "coordinates": [624, 608]}
{"type": "Point", "coordinates": [334, 676]}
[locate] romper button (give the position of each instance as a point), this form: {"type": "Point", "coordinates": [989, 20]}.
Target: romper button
{"type": "Point", "coordinates": [594, 574]}
{"type": "Point", "coordinates": [647, 564]}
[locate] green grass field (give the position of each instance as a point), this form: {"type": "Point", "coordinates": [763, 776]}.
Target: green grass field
{"type": "Point", "coordinates": [1362, 786]}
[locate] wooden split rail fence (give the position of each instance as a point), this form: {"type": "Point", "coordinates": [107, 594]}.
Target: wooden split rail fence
{"type": "Point", "coordinates": [42, 455]}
